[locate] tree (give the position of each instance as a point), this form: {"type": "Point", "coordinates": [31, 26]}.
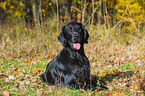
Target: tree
{"type": "Point", "coordinates": [12, 8]}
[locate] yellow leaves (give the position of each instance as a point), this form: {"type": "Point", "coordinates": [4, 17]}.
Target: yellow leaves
{"type": "Point", "coordinates": [120, 11]}
{"type": "Point", "coordinates": [99, 12]}
{"type": "Point", "coordinates": [14, 8]}
{"type": "Point", "coordinates": [3, 5]}
{"type": "Point", "coordinates": [132, 66]}
{"type": "Point", "coordinates": [96, 3]}
{"type": "Point", "coordinates": [133, 9]}
{"type": "Point", "coordinates": [21, 4]}
{"type": "Point", "coordinates": [43, 10]}
{"type": "Point", "coordinates": [17, 13]}
{"type": "Point", "coordinates": [11, 7]}
{"type": "Point", "coordinates": [49, 4]}
{"type": "Point", "coordinates": [79, 2]}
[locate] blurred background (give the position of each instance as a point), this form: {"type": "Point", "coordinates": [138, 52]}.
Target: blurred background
{"type": "Point", "coordinates": [28, 26]}
{"type": "Point", "coordinates": [96, 12]}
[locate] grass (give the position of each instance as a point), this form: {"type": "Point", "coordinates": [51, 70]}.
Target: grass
{"type": "Point", "coordinates": [117, 58]}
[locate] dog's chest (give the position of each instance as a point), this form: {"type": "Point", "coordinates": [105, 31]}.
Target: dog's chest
{"type": "Point", "coordinates": [81, 71]}
{"type": "Point", "coordinates": [80, 66]}
{"type": "Point", "coordinates": [78, 61]}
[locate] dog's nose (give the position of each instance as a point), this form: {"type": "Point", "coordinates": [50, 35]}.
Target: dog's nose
{"type": "Point", "coordinates": [76, 35]}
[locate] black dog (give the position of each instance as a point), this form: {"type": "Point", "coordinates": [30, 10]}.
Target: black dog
{"type": "Point", "coordinates": [71, 67]}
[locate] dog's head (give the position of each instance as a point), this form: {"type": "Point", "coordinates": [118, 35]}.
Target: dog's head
{"type": "Point", "coordinates": [74, 35]}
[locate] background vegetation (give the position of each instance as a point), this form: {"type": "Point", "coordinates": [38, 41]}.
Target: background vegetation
{"type": "Point", "coordinates": [116, 48]}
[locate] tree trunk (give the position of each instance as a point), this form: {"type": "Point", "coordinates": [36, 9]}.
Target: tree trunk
{"type": "Point", "coordinates": [57, 14]}
{"type": "Point", "coordinates": [83, 14]}
{"type": "Point", "coordinates": [35, 12]}
{"type": "Point", "coordinates": [99, 13]}
{"type": "Point", "coordinates": [114, 14]}
{"type": "Point", "coordinates": [40, 13]}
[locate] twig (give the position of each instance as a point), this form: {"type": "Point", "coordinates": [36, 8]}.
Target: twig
{"type": "Point", "coordinates": [72, 7]}
{"type": "Point", "coordinates": [57, 14]}
{"type": "Point", "coordinates": [83, 13]}
{"type": "Point", "coordinates": [120, 20]}
{"type": "Point", "coordinates": [134, 23]}
{"type": "Point", "coordinates": [92, 13]}
{"type": "Point", "coordinates": [40, 12]}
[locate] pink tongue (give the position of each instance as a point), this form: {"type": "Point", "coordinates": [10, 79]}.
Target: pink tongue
{"type": "Point", "coordinates": [76, 45]}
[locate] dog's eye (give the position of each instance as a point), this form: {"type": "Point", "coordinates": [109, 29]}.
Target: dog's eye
{"type": "Point", "coordinates": [79, 29]}
{"type": "Point", "coordinates": [69, 29]}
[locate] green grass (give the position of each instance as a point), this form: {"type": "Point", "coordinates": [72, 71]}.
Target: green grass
{"type": "Point", "coordinates": [117, 60]}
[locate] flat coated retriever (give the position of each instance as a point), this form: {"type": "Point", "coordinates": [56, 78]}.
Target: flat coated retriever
{"type": "Point", "coordinates": [71, 67]}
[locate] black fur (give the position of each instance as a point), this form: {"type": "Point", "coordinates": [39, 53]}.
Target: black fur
{"type": "Point", "coordinates": [71, 67]}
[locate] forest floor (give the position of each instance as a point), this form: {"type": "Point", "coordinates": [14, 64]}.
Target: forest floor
{"type": "Point", "coordinates": [118, 59]}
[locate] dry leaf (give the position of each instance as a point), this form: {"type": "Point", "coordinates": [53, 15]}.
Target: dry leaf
{"type": "Point", "coordinates": [27, 82]}
{"type": "Point", "coordinates": [35, 70]}
{"type": "Point", "coordinates": [1, 59]}
{"type": "Point", "coordinates": [108, 94]}
{"type": "Point", "coordinates": [7, 80]}
{"type": "Point", "coordinates": [12, 66]}
{"type": "Point", "coordinates": [11, 77]}
{"type": "Point", "coordinates": [16, 72]}
{"type": "Point", "coordinates": [39, 92]}
{"type": "Point", "coordinates": [5, 93]}
{"type": "Point", "coordinates": [33, 79]}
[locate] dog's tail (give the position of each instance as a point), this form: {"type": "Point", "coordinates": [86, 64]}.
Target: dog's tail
{"type": "Point", "coordinates": [97, 84]}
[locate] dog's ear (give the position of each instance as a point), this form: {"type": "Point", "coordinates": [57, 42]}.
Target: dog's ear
{"type": "Point", "coordinates": [86, 34]}
{"type": "Point", "coordinates": [61, 37]}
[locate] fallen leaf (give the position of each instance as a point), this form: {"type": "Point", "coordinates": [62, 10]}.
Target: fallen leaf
{"type": "Point", "coordinates": [7, 80]}
{"type": "Point", "coordinates": [5, 93]}
{"type": "Point", "coordinates": [21, 84]}
{"type": "Point", "coordinates": [27, 82]}
{"type": "Point", "coordinates": [33, 79]}
{"type": "Point", "coordinates": [118, 94]}
{"type": "Point", "coordinates": [16, 72]}
{"type": "Point", "coordinates": [1, 59]}
{"type": "Point", "coordinates": [11, 77]}
{"type": "Point", "coordinates": [12, 66]}
{"type": "Point", "coordinates": [35, 70]}
{"type": "Point", "coordinates": [39, 92]}
{"type": "Point", "coordinates": [108, 94]}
